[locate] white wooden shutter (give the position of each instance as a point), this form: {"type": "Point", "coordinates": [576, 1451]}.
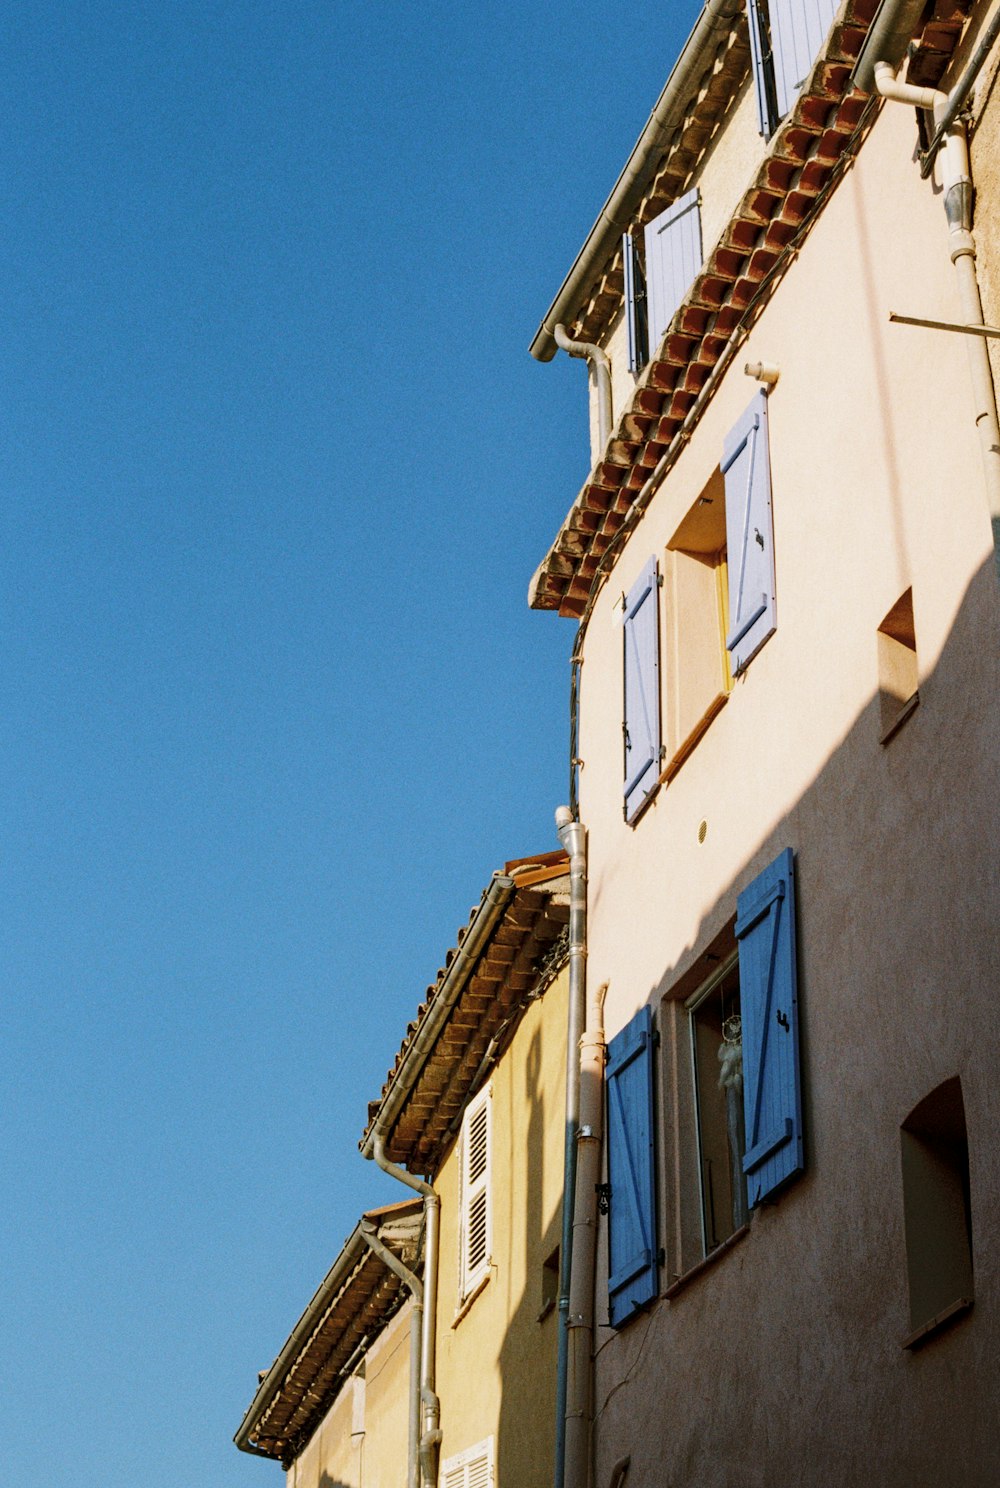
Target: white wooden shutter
{"type": "Point", "coordinates": [475, 1174]}
{"type": "Point", "coordinates": [673, 258]}
{"type": "Point", "coordinates": [798, 30]}
{"type": "Point", "coordinates": [472, 1468]}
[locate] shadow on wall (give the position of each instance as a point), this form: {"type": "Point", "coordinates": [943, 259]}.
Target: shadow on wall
{"type": "Point", "coordinates": [327, 1482]}
{"type": "Point", "coordinates": [898, 900]}
{"type": "Point", "coordinates": [526, 1427]}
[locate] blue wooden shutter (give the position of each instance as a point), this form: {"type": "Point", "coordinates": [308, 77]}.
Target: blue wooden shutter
{"type": "Point", "coordinates": [642, 689]}
{"type": "Point", "coordinates": [635, 306]}
{"type": "Point", "coordinates": [763, 68]}
{"type": "Point", "coordinates": [772, 1097]}
{"type": "Point", "coordinates": [749, 535]}
{"type": "Point", "coordinates": [798, 30]}
{"type": "Point", "coordinates": [673, 258]}
{"type": "Point", "coordinates": [632, 1253]}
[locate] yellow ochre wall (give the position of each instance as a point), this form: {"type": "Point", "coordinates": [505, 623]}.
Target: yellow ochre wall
{"type": "Point", "coordinates": [340, 1455]}
{"type": "Point", "coordinates": [496, 1360]}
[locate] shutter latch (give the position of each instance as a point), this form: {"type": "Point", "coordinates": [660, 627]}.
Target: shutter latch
{"type": "Point", "coordinates": [603, 1191]}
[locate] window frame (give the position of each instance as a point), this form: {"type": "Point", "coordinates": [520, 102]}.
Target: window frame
{"type": "Point", "coordinates": [691, 1006]}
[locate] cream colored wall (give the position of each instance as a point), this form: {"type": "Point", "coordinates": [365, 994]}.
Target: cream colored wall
{"type": "Point", "coordinates": [496, 1363]}
{"type": "Point", "coordinates": [341, 1456]}
{"type": "Point", "coordinates": [722, 176]}
{"type": "Point", "coordinates": [783, 1361]}
{"type": "Point", "coordinates": [864, 504]}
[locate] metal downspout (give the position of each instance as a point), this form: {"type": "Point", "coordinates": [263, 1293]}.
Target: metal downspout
{"type": "Point", "coordinates": [430, 1432]}
{"type": "Point", "coordinates": [573, 837]}
{"type": "Point", "coordinates": [598, 360]}
{"type": "Point", "coordinates": [956, 181]}
{"type": "Point", "coordinates": [369, 1233]}
{"type": "Point", "coordinates": [580, 1381]}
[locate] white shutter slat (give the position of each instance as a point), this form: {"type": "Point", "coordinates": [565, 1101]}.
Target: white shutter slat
{"type": "Point", "coordinates": [475, 1200]}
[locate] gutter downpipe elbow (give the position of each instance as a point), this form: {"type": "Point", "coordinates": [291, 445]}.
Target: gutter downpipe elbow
{"type": "Point", "coordinates": [598, 360]}
{"type": "Point", "coordinates": [956, 181]}
{"type": "Point", "coordinates": [573, 837]}
{"type": "Point", "coordinates": [429, 1434]}
{"type": "Point", "coordinates": [369, 1234]}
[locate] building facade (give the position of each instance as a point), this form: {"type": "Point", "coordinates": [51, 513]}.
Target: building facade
{"type": "Point", "coordinates": [784, 576]}
{"type": "Point", "coordinates": [433, 1360]}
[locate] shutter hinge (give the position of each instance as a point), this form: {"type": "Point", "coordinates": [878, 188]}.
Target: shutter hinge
{"type": "Point", "coordinates": [656, 1038]}
{"type": "Point", "coordinates": [603, 1192]}
{"type": "Point", "coordinates": [661, 1257]}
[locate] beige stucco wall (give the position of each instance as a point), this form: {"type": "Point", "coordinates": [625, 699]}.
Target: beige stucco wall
{"type": "Point", "coordinates": [782, 1362]}
{"type": "Point", "coordinates": [496, 1363]}
{"type": "Point", "coordinates": [362, 1443]}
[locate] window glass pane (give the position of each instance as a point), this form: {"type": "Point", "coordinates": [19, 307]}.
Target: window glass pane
{"type": "Point", "coordinates": [718, 1059]}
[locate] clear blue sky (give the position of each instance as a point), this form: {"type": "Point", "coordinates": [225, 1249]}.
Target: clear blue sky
{"type": "Point", "coordinates": [276, 469]}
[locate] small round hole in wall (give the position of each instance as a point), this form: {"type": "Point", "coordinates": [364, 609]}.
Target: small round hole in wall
{"type": "Point", "coordinates": [702, 831]}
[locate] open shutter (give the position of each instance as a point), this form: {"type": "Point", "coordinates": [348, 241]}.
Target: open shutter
{"type": "Point", "coordinates": [632, 1258]}
{"type": "Point", "coordinates": [798, 30]}
{"type": "Point", "coordinates": [641, 724]}
{"type": "Point", "coordinates": [673, 258]}
{"type": "Point", "coordinates": [746, 466]}
{"type": "Point", "coordinates": [762, 59]}
{"type": "Point", "coordinates": [476, 1191]}
{"type": "Point", "coordinates": [635, 305]}
{"type": "Point", "coordinates": [772, 1096]}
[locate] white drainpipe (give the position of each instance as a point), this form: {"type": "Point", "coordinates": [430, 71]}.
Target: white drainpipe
{"type": "Point", "coordinates": [573, 837]}
{"type": "Point", "coordinates": [369, 1233]}
{"type": "Point", "coordinates": [430, 1431]}
{"type": "Point", "coordinates": [598, 359]}
{"type": "Point", "coordinates": [875, 71]}
{"type": "Point", "coordinates": [580, 1392]}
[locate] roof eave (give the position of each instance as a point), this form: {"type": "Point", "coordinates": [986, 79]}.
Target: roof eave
{"type": "Point", "coordinates": [716, 18]}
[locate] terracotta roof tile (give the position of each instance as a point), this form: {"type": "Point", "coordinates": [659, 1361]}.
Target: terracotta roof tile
{"type": "Point", "coordinates": [824, 128]}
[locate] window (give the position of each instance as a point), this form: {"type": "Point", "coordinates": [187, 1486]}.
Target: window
{"type": "Point", "coordinates": [747, 1110]}
{"type": "Point", "coordinates": [641, 721]}
{"type": "Point", "coordinates": [748, 1103]}
{"type": "Point", "coordinates": [785, 40]}
{"type": "Point", "coordinates": [476, 1216]}
{"type": "Point", "coordinates": [472, 1468]}
{"type": "Point", "coordinates": [750, 535]}
{"type": "Point", "coordinates": [653, 292]}
{"type": "Point", "coordinates": [696, 605]}
{"type": "Point", "coordinates": [897, 667]}
{"type": "Point", "coordinates": [717, 1051]}
{"type": "Point", "coordinates": [937, 1211]}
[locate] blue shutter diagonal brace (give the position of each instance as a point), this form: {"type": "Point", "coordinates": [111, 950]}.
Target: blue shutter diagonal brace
{"type": "Point", "coordinates": [772, 1093]}
{"type": "Point", "coordinates": [632, 1253]}
{"type": "Point", "coordinates": [798, 30]}
{"type": "Point", "coordinates": [641, 724]}
{"type": "Point", "coordinates": [746, 467]}
{"type": "Point", "coordinates": [673, 258]}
